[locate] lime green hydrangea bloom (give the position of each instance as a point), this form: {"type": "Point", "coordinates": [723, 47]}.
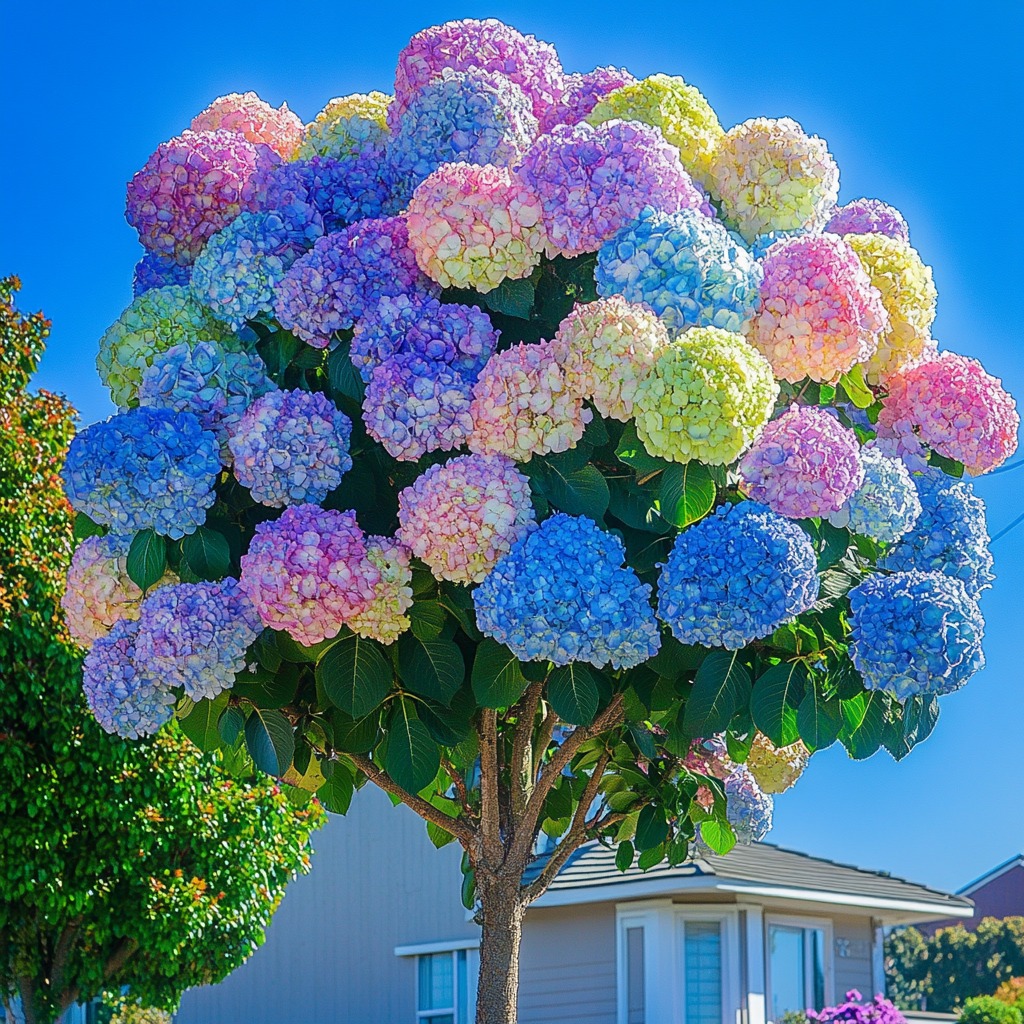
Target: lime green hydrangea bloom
{"type": "Point", "coordinates": [347, 124]}
{"type": "Point", "coordinates": [908, 294]}
{"type": "Point", "coordinates": [156, 321]}
{"type": "Point", "coordinates": [681, 112]}
{"type": "Point", "coordinates": [707, 397]}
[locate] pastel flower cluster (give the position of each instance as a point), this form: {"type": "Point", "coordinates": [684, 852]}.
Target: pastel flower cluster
{"type": "Point", "coordinates": [805, 463]}
{"type": "Point", "coordinates": [345, 274]}
{"type": "Point", "coordinates": [685, 266]}
{"type": "Point", "coordinates": [562, 594]}
{"type": "Point", "coordinates": [157, 272]}
{"type": "Point", "coordinates": [99, 592]}
{"type": "Point", "coordinates": [125, 698]}
{"type": "Point", "coordinates": [523, 405]}
{"type": "Point", "coordinates": [877, 1011]}
{"type": "Point", "coordinates": [384, 618]}
{"type": "Point", "coordinates": [212, 383]}
{"type": "Point", "coordinates": [460, 517]}
{"type": "Point", "coordinates": [771, 176]}
{"type": "Point", "coordinates": [473, 116]}
{"type": "Point", "coordinates": [593, 181]}
{"type": "Point", "coordinates": [308, 572]}
{"type": "Point", "coordinates": [748, 808]}
{"type": "Point", "coordinates": [348, 124]}
{"type": "Point", "coordinates": [710, 757]}
{"type": "Point", "coordinates": [908, 294]}
{"type": "Point", "coordinates": [950, 535]}
{"type": "Point", "coordinates": [195, 635]}
{"type": "Point", "coordinates": [737, 576]}
{"type": "Point", "coordinates": [458, 336]}
{"type": "Point", "coordinates": [584, 91]}
{"type": "Point", "coordinates": [473, 227]}
{"type": "Point", "coordinates": [776, 769]}
{"type": "Point", "coordinates": [952, 405]}
{"type": "Point", "coordinates": [867, 216]}
{"type": "Point", "coordinates": [915, 632]}
{"type": "Point", "coordinates": [820, 315]}
{"type": "Point", "coordinates": [254, 119]}
{"type": "Point", "coordinates": [190, 188]}
{"type": "Point", "coordinates": [680, 111]}
{"type": "Point", "coordinates": [707, 397]}
{"type": "Point", "coordinates": [144, 469]}
{"type": "Point", "coordinates": [237, 274]}
{"type": "Point", "coordinates": [606, 348]}
{"type": "Point", "coordinates": [156, 321]}
{"type": "Point", "coordinates": [290, 447]}
{"type": "Point", "coordinates": [886, 505]}
{"type": "Point", "coordinates": [489, 45]}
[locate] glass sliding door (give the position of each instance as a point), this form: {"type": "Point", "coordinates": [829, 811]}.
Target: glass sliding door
{"type": "Point", "coordinates": [703, 973]}
{"type": "Point", "coordinates": [797, 965]}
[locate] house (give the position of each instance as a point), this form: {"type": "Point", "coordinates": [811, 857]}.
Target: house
{"type": "Point", "coordinates": [997, 893]}
{"type": "Point", "coordinates": [377, 934]}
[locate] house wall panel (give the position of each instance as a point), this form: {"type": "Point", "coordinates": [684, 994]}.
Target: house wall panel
{"type": "Point", "coordinates": [851, 953]}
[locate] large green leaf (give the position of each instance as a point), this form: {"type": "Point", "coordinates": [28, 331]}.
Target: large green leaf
{"type": "Point", "coordinates": [913, 726]}
{"type": "Point", "coordinates": [498, 680]}
{"type": "Point", "coordinates": [147, 559]}
{"type": "Point", "coordinates": [720, 688]}
{"type": "Point", "coordinates": [773, 703]}
{"type": "Point", "coordinates": [863, 724]}
{"type": "Point", "coordinates": [268, 689]}
{"type": "Point", "coordinates": [230, 725]}
{"type": "Point", "coordinates": [513, 298]}
{"type": "Point", "coordinates": [335, 792]}
{"type": "Point", "coordinates": [718, 835]}
{"type": "Point", "coordinates": [651, 828]}
{"type": "Point", "coordinates": [343, 376]}
{"type": "Point", "coordinates": [583, 492]}
{"type": "Point", "coordinates": [687, 493]}
{"type": "Point", "coordinates": [207, 553]}
{"type": "Point", "coordinates": [573, 694]}
{"type": "Point", "coordinates": [413, 757]}
{"type": "Point", "coordinates": [270, 741]}
{"type": "Point", "coordinates": [818, 720]}
{"type": "Point", "coordinates": [354, 675]}
{"type": "Point", "coordinates": [200, 724]}
{"type": "Point", "coordinates": [852, 382]}
{"type": "Point", "coordinates": [432, 668]}
{"type": "Point", "coordinates": [427, 619]}
{"type": "Point", "coordinates": [632, 452]}
{"type": "Point", "coordinates": [85, 527]}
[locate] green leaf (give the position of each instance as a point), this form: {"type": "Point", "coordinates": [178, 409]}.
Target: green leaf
{"type": "Point", "coordinates": [584, 492]}
{"type": "Point", "coordinates": [863, 724]}
{"type": "Point", "coordinates": [270, 741]}
{"type": "Point", "coordinates": [355, 675]}
{"type": "Point", "coordinates": [355, 736]}
{"type": "Point", "coordinates": [720, 688]}
{"type": "Point", "coordinates": [299, 654]}
{"type": "Point", "coordinates": [413, 757]}
{"type": "Point", "coordinates": [624, 856]}
{"type": "Point", "coordinates": [207, 553]}
{"type": "Point", "coordinates": [773, 703]}
{"type": "Point", "coordinates": [573, 694]}
{"type": "Point", "coordinates": [852, 382]}
{"type": "Point", "coordinates": [818, 720]}
{"type": "Point", "coordinates": [650, 858]}
{"type": "Point", "coordinates": [85, 527]}
{"type": "Point", "coordinates": [674, 658]}
{"type": "Point", "coordinates": [230, 725]}
{"type": "Point", "coordinates": [427, 619]}
{"type": "Point", "coordinates": [277, 351]}
{"type": "Point", "coordinates": [343, 376]}
{"type": "Point", "coordinates": [718, 835]}
{"type": "Point", "coordinates": [833, 543]}
{"type": "Point", "coordinates": [644, 740]}
{"type": "Point", "coordinates": [432, 668]}
{"type": "Point", "coordinates": [200, 724]}
{"type": "Point", "coordinates": [147, 559]}
{"type": "Point", "coordinates": [513, 298]}
{"type": "Point", "coordinates": [632, 452]}
{"type": "Point", "coordinates": [498, 680]}
{"type": "Point", "coordinates": [948, 466]}
{"type": "Point", "coordinates": [651, 828]}
{"type": "Point", "coordinates": [268, 689]}
{"type": "Point", "coordinates": [687, 493]}
{"type": "Point", "coordinates": [336, 792]}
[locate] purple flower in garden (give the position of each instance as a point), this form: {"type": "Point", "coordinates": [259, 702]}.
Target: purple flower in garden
{"type": "Point", "coordinates": [157, 272]}
{"type": "Point", "coordinates": [866, 216]}
{"type": "Point", "coordinates": [747, 806]}
{"type": "Point", "coordinates": [875, 1011]}
{"type": "Point", "coordinates": [583, 91]}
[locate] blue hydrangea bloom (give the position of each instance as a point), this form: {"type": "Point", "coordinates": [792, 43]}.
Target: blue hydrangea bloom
{"type": "Point", "coordinates": [950, 535]}
{"type": "Point", "coordinates": [915, 632]}
{"type": "Point", "coordinates": [472, 116]}
{"type": "Point", "coordinates": [685, 267]}
{"type": "Point", "coordinates": [237, 273]}
{"type": "Point", "coordinates": [760, 245]}
{"type": "Point", "coordinates": [886, 505]}
{"type": "Point", "coordinates": [123, 696]}
{"type": "Point", "coordinates": [460, 336]}
{"type": "Point", "coordinates": [144, 469]}
{"type": "Point", "coordinates": [562, 594]}
{"type": "Point", "coordinates": [747, 806]}
{"type": "Point", "coordinates": [154, 271]}
{"type": "Point", "coordinates": [736, 576]}
{"type": "Point", "coordinates": [195, 635]}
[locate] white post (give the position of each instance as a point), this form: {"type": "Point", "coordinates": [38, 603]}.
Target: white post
{"type": "Point", "coordinates": [754, 941]}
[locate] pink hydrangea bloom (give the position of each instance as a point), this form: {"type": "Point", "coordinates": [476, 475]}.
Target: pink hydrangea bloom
{"type": "Point", "coordinates": [190, 188]}
{"type": "Point", "coordinates": [384, 619]}
{"type": "Point", "coordinates": [473, 227]}
{"type": "Point", "coordinates": [462, 516]}
{"type": "Point", "coordinates": [710, 757]}
{"type": "Point", "coordinates": [523, 405]}
{"type": "Point", "coordinates": [805, 463]}
{"type": "Point", "coordinates": [308, 573]}
{"type": "Point", "coordinates": [254, 119]}
{"type": "Point", "coordinates": [582, 92]}
{"type": "Point", "coordinates": [820, 314]}
{"type": "Point", "coordinates": [951, 404]}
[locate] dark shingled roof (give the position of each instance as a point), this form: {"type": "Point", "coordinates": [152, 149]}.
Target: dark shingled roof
{"type": "Point", "coordinates": [761, 864]}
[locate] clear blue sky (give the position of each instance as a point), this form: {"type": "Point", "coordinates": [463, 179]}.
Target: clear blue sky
{"type": "Point", "coordinates": [919, 101]}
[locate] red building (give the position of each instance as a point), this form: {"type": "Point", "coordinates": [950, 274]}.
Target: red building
{"type": "Point", "coordinates": [997, 893]}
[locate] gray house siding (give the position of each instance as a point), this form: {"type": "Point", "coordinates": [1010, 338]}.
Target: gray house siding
{"type": "Point", "coordinates": [852, 956]}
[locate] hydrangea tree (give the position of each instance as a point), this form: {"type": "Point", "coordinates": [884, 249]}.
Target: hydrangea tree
{"type": "Point", "coordinates": [112, 871]}
{"type": "Point", "coordinates": [600, 468]}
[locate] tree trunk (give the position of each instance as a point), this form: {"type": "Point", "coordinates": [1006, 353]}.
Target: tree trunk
{"type": "Point", "coordinates": [502, 908]}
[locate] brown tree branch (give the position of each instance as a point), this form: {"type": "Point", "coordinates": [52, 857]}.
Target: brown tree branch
{"type": "Point", "coordinates": [522, 769]}
{"type": "Point", "coordinates": [463, 832]}
{"type": "Point", "coordinates": [543, 740]}
{"type": "Point", "coordinates": [460, 785]}
{"type": "Point", "coordinates": [490, 784]}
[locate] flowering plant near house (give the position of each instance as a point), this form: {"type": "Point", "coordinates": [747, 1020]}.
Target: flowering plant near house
{"type": "Point", "coordinates": [531, 446]}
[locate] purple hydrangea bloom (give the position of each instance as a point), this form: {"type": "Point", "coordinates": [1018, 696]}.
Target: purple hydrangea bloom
{"type": "Point", "coordinates": [290, 447]}
{"type": "Point", "coordinates": [346, 274]}
{"type": "Point", "coordinates": [195, 635]}
{"type": "Point", "coordinates": [459, 336]}
{"type": "Point", "coordinates": [562, 594]}
{"type": "Point", "coordinates": [876, 1011]}
{"type": "Point", "coordinates": [144, 469]}
{"type": "Point", "coordinates": [747, 806]}
{"type": "Point", "coordinates": [915, 632]}
{"type": "Point", "coordinates": [865, 216]}
{"type": "Point", "coordinates": [593, 181]}
{"type": "Point", "coordinates": [124, 697]}
{"type": "Point", "coordinates": [736, 576]}
{"type": "Point", "coordinates": [154, 271]}
{"type": "Point", "coordinates": [582, 92]}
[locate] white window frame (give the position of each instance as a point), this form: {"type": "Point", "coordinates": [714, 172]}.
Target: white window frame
{"type": "Point", "coordinates": [791, 921]}
{"type": "Point", "coordinates": [471, 947]}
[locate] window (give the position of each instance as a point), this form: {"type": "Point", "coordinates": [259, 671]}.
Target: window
{"type": "Point", "coordinates": [635, 1003]}
{"type": "Point", "coordinates": [446, 986]}
{"type": "Point", "coordinates": [798, 968]}
{"type": "Point", "coordinates": [702, 971]}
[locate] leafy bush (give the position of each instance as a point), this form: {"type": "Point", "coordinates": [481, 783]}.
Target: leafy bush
{"type": "Point", "coordinates": [989, 1010]}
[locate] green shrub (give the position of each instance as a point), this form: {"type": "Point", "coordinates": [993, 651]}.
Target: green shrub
{"type": "Point", "coordinates": [989, 1010]}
